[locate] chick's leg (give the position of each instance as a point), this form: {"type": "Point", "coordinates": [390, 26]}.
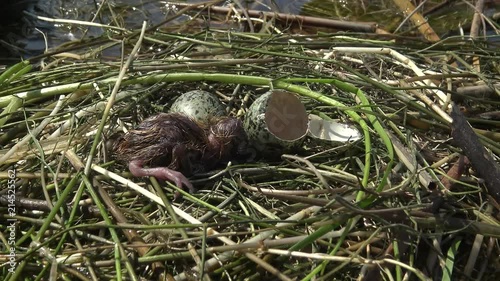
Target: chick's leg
{"type": "Point", "coordinates": [161, 173]}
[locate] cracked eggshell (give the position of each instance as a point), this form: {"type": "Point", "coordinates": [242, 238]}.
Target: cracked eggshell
{"type": "Point", "coordinates": [331, 131]}
{"type": "Point", "coordinates": [199, 105]}
{"type": "Point", "coordinates": [276, 120]}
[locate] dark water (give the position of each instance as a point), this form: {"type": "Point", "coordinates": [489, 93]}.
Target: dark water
{"type": "Point", "coordinates": [24, 36]}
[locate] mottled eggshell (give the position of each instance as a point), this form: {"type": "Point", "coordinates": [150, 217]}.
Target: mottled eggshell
{"type": "Point", "coordinates": [277, 119]}
{"type": "Point", "coordinates": [199, 105]}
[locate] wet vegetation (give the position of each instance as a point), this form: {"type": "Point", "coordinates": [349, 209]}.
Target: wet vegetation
{"type": "Point", "coordinates": [417, 197]}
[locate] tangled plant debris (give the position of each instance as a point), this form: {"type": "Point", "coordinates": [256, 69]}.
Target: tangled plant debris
{"type": "Point", "coordinates": [415, 197]}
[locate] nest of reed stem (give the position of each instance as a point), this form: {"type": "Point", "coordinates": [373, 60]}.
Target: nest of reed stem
{"type": "Point", "coordinates": [413, 199]}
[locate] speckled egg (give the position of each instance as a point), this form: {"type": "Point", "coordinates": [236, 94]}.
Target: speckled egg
{"type": "Point", "coordinates": [199, 105]}
{"type": "Point", "coordinates": [276, 120]}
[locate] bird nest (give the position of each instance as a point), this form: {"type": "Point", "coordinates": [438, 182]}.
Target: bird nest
{"type": "Point", "coordinates": [415, 198]}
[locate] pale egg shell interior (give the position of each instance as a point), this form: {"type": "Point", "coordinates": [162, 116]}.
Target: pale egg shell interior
{"type": "Point", "coordinates": [286, 117]}
{"type": "Point", "coordinates": [331, 130]}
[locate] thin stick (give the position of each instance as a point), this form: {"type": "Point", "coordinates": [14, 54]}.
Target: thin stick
{"type": "Point", "coordinates": [35, 132]}
{"type": "Point", "coordinates": [111, 99]}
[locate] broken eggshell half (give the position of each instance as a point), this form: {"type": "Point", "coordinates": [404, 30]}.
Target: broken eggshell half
{"type": "Point", "coordinates": [331, 131]}
{"type": "Point", "coordinates": [276, 120]}
{"type": "Point", "coordinates": [199, 105]}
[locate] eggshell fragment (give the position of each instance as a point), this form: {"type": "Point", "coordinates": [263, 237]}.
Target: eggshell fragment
{"type": "Point", "coordinates": [331, 130]}
{"type": "Point", "coordinates": [277, 119]}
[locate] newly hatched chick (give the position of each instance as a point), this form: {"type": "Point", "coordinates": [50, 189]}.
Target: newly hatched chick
{"type": "Point", "coordinates": [174, 146]}
{"type": "Point", "coordinates": [227, 140]}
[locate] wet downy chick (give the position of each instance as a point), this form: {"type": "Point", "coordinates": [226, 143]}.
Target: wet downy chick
{"type": "Point", "coordinates": [171, 146]}
{"type": "Point", "coordinates": [227, 140]}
